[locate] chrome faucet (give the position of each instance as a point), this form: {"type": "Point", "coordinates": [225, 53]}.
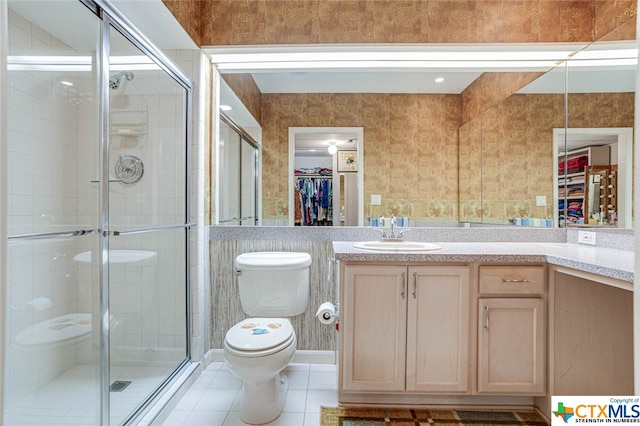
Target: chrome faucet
{"type": "Point", "coordinates": [392, 235]}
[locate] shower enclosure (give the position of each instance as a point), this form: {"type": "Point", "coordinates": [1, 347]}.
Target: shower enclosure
{"type": "Point", "coordinates": [98, 221]}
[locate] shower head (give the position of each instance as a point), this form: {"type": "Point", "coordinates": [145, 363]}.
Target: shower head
{"type": "Point", "coordinates": [116, 79]}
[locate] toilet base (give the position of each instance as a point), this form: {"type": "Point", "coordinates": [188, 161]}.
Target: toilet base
{"type": "Point", "coordinates": [263, 403]}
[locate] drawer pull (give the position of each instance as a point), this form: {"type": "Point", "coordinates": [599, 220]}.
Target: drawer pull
{"type": "Point", "coordinates": [517, 280]}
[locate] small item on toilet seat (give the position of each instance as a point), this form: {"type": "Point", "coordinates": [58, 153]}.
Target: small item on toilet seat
{"type": "Point", "coordinates": [255, 334]}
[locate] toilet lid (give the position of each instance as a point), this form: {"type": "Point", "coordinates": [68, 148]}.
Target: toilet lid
{"type": "Point", "coordinates": [258, 334]}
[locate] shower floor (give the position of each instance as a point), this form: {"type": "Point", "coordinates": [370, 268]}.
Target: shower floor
{"type": "Point", "coordinates": [73, 398]}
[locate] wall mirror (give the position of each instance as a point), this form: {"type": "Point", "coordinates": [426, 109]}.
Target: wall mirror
{"type": "Point", "coordinates": [498, 182]}
{"type": "Point", "coordinates": [599, 137]}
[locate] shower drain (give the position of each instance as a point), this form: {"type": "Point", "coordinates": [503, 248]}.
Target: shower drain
{"type": "Point", "coordinates": [119, 385]}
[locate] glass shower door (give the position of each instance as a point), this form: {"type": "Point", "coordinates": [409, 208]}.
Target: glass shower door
{"type": "Point", "coordinates": [53, 319]}
{"type": "Point", "coordinates": [238, 176]}
{"type": "Point", "coordinates": [147, 210]}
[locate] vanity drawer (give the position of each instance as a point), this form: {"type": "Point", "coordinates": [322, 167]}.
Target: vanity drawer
{"type": "Point", "coordinates": [512, 279]}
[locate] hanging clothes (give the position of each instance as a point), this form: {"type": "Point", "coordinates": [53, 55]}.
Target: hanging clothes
{"type": "Point", "coordinates": [315, 201]}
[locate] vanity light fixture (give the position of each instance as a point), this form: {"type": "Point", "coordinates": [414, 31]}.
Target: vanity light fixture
{"type": "Point", "coordinates": [78, 63]}
{"type": "Point", "coordinates": [534, 56]}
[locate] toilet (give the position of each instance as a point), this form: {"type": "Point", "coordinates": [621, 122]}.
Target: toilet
{"type": "Point", "coordinates": [273, 286]}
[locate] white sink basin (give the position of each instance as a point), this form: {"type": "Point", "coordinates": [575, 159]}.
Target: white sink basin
{"type": "Point", "coordinates": [396, 245]}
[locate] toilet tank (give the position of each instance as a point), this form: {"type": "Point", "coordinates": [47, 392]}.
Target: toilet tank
{"type": "Point", "coordinates": [273, 284]}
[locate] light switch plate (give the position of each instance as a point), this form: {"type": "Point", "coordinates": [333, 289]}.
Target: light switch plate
{"type": "Point", "coordinates": [587, 237]}
{"type": "Point", "coordinates": [376, 199]}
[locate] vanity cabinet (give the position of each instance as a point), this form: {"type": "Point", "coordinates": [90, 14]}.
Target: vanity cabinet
{"type": "Point", "coordinates": [511, 330]}
{"type": "Point", "coordinates": [404, 328]}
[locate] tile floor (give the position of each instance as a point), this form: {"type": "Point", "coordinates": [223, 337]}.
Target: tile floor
{"type": "Point", "coordinates": [213, 398]}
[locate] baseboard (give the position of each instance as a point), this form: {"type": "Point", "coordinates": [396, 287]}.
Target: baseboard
{"type": "Point", "coordinates": [209, 357]}
{"type": "Point", "coordinates": [301, 356]}
{"type": "Point", "coordinates": [436, 401]}
{"type": "Point", "coordinates": [163, 406]}
{"type": "Point", "coordinates": [315, 357]}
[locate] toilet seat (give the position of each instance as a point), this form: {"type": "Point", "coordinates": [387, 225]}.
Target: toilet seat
{"type": "Point", "coordinates": [255, 337]}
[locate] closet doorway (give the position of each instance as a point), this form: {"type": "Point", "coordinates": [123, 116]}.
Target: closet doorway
{"type": "Point", "coordinates": [326, 176]}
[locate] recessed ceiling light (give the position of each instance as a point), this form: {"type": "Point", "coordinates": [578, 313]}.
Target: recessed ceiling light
{"type": "Point", "coordinates": [66, 83]}
{"type": "Point", "coordinates": [225, 107]}
{"type": "Point", "coordinates": [439, 80]}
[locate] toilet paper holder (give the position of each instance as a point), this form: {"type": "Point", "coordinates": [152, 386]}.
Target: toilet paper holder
{"type": "Point", "coordinates": [328, 312]}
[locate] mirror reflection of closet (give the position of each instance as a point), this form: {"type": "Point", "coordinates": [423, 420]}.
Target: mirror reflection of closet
{"type": "Point", "coordinates": [606, 197]}
{"type": "Point", "coordinates": [601, 196]}
{"type": "Point", "coordinates": [313, 183]}
{"type": "Point", "coordinates": [320, 194]}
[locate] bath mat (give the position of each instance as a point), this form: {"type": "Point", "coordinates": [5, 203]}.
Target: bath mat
{"type": "Point", "coordinates": [371, 416]}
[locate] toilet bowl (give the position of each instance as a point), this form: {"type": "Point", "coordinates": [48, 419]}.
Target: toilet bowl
{"type": "Point", "coordinates": [271, 285]}
{"type": "Point", "coordinates": [258, 365]}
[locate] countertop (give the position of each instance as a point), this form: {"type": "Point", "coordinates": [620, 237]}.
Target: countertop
{"type": "Point", "coordinates": [607, 262]}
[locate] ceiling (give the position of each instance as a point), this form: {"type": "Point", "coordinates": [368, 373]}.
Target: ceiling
{"type": "Point", "coordinates": [356, 81]}
{"type": "Point", "coordinates": [315, 144]}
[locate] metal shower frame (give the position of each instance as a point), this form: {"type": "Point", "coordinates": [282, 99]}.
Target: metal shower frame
{"type": "Point", "coordinates": [111, 18]}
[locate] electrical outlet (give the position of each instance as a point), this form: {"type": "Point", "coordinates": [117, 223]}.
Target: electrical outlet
{"type": "Point", "coordinates": [541, 200]}
{"type": "Point", "coordinates": [587, 237]}
{"type": "Point", "coordinates": [376, 199]}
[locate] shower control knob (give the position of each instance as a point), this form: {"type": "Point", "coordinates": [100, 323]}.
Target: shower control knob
{"type": "Point", "coordinates": [129, 169]}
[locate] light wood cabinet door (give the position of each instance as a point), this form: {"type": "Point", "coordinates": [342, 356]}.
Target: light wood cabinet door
{"type": "Point", "coordinates": [438, 329]}
{"type": "Point", "coordinates": [373, 312]}
{"type": "Point", "coordinates": [511, 346]}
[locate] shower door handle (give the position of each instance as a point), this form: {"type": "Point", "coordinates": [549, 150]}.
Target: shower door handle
{"type": "Point", "coordinates": [45, 235]}
{"type": "Point", "coordinates": [153, 229]}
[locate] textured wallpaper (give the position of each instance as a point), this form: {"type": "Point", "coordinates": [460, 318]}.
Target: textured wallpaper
{"type": "Point", "coordinates": [247, 22]}
{"type": "Point", "coordinates": [410, 148]}
{"type": "Point", "coordinates": [247, 91]}
{"type": "Point", "coordinates": [516, 140]}
{"type": "Point", "coordinates": [491, 88]}
{"type": "Point", "coordinates": [233, 22]}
